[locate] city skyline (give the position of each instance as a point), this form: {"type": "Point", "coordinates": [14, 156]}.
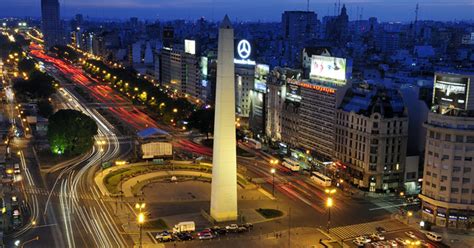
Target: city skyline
{"type": "Point", "coordinates": [245, 10]}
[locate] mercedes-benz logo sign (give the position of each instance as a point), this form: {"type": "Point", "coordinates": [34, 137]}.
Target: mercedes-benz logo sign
{"type": "Point", "coordinates": [243, 48]}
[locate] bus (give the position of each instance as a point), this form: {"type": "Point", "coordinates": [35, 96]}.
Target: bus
{"type": "Point", "coordinates": [253, 143]}
{"type": "Point", "coordinates": [320, 179]}
{"type": "Point", "coordinates": [291, 164]}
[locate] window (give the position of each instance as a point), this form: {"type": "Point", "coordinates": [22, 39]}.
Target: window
{"type": "Point", "coordinates": [466, 180]}
{"type": "Point", "coordinates": [456, 169]}
{"type": "Point", "coordinates": [428, 173]}
{"type": "Point", "coordinates": [464, 191]}
{"type": "Point", "coordinates": [466, 169]}
{"type": "Point", "coordinates": [454, 190]}
{"type": "Point", "coordinates": [468, 159]}
{"type": "Point", "coordinates": [444, 178]}
{"type": "Point", "coordinates": [445, 157]}
{"type": "Point", "coordinates": [435, 175]}
{"type": "Point", "coordinates": [431, 134]}
{"type": "Point", "coordinates": [433, 186]}
{"type": "Point", "coordinates": [457, 158]}
{"type": "Point", "coordinates": [447, 137]}
{"type": "Point", "coordinates": [455, 179]}
{"type": "Point", "coordinates": [470, 139]}
{"type": "Point", "coordinates": [459, 138]}
{"type": "Point", "coordinates": [453, 200]}
{"type": "Point", "coordinates": [438, 136]}
{"type": "Point", "coordinates": [442, 188]}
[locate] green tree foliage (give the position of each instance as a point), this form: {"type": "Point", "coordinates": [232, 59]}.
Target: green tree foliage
{"type": "Point", "coordinates": [38, 86]}
{"type": "Point", "coordinates": [71, 132]}
{"type": "Point", "coordinates": [65, 52]}
{"type": "Point", "coordinates": [202, 120]}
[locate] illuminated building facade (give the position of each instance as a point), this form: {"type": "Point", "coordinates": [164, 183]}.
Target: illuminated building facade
{"type": "Point", "coordinates": [51, 23]}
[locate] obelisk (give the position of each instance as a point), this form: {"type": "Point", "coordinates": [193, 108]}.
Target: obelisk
{"type": "Point", "coordinates": [224, 157]}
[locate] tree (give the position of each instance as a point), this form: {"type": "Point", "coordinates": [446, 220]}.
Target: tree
{"type": "Point", "coordinates": [39, 86]}
{"type": "Point", "coordinates": [202, 120]}
{"type": "Point", "coordinates": [26, 65]}
{"type": "Point", "coordinates": [71, 132]}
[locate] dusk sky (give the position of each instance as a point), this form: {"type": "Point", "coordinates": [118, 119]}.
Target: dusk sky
{"type": "Point", "coordinates": [265, 10]}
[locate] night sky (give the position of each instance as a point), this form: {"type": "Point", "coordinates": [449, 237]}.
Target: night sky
{"type": "Point", "coordinates": [251, 10]}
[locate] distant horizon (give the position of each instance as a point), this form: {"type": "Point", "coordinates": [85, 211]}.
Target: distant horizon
{"type": "Point", "coordinates": [247, 10]}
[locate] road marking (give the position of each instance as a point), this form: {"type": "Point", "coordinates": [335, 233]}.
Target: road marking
{"type": "Point", "coordinates": [392, 206]}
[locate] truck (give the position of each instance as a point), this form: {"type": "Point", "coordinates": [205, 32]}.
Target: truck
{"type": "Point", "coordinates": [186, 226]}
{"type": "Point", "coordinates": [156, 150]}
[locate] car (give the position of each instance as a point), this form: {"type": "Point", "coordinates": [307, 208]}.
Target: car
{"type": "Point", "coordinates": [162, 234]}
{"type": "Point", "coordinates": [380, 229]}
{"type": "Point", "coordinates": [411, 235]}
{"type": "Point", "coordinates": [403, 241]}
{"type": "Point", "coordinates": [242, 229]}
{"type": "Point", "coordinates": [184, 236]}
{"type": "Point", "coordinates": [376, 236]}
{"type": "Point", "coordinates": [205, 235]}
{"type": "Point", "coordinates": [358, 243]}
{"type": "Point", "coordinates": [393, 243]}
{"type": "Point", "coordinates": [364, 239]}
{"type": "Point", "coordinates": [232, 228]}
{"type": "Point", "coordinates": [249, 226]}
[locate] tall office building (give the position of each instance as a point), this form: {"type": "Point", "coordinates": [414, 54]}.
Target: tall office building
{"type": "Point", "coordinates": [299, 27]}
{"type": "Point", "coordinates": [371, 133]}
{"type": "Point", "coordinates": [447, 193]}
{"type": "Point", "coordinates": [51, 23]}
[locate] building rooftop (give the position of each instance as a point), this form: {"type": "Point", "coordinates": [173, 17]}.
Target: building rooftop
{"type": "Point", "coordinates": [367, 98]}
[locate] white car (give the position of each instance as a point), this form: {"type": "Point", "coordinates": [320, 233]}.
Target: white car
{"type": "Point", "coordinates": [393, 243]}
{"type": "Point", "coordinates": [376, 236]}
{"type": "Point", "coordinates": [403, 241]}
{"type": "Point", "coordinates": [232, 228]}
{"type": "Point", "coordinates": [364, 239]}
{"type": "Point", "coordinates": [411, 235]}
{"type": "Point", "coordinates": [358, 243]}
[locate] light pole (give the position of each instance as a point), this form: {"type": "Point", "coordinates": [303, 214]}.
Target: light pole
{"type": "Point", "coordinates": [409, 214]}
{"type": "Point", "coordinates": [329, 203]}
{"type": "Point", "coordinates": [273, 181]}
{"type": "Point", "coordinates": [141, 220]}
{"type": "Point", "coordinates": [21, 245]}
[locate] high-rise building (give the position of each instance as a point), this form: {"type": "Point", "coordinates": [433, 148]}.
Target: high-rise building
{"type": "Point", "coordinates": [447, 194]}
{"type": "Point", "coordinates": [51, 23]}
{"type": "Point", "coordinates": [371, 133]}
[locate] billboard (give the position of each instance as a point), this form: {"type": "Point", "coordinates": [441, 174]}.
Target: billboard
{"type": "Point", "coordinates": [450, 91]}
{"type": "Point", "coordinates": [190, 46]}
{"type": "Point", "coordinates": [293, 92]}
{"type": "Point", "coordinates": [261, 73]}
{"type": "Point", "coordinates": [324, 67]}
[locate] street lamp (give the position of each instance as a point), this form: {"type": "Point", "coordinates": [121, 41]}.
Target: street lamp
{"type": "Point", "coordinates": [409, 214]}
{"type": "Point", "coordinates": [273, 181]}
{"type": "Point", "coordinates": [329, 203]}
{"type": "Point", "coordinates": [141, 220]}
{"type": "Point", "coordinates": [101, 150]}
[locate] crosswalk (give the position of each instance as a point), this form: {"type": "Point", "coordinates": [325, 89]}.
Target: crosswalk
{"type": "Point", "coordinates": [45, 192]}
{"type": "Point", "coordinates": [352, 231]}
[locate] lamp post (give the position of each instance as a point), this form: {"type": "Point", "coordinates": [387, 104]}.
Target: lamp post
{"type": "Point", "coordinates": [21, 245]}
{"type": "Point", "coordinates": [409, 214]}
{"type": "Point", "coordinates": [141, 220]}
{"type": "Point", "coordinates": [273, 181]}
{"type": "Point", "coordinates": [329, 204]}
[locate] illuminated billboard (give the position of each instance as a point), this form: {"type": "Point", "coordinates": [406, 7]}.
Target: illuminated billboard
{"type": "Point", "coordinates": [293, 92]}
{"type": "Point", "coordinates": [324, 67]}
{"type": "Point", "coordinates": [190, 46]}
{"type": "Point", "coordinates": [261, 73]}
{"type": "Point", "coordinates": [450, 91]}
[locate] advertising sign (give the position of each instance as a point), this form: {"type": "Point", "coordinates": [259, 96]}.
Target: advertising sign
{"type": "Point", "coordinates": [293, 92]}
{"type": "Point", "coordinates": [261, 73]}
{"type": "Point", "coordinates": [450, 91]}
{"type": "Point", "coordinates": [324, 67]}
{"type": "Point", "coordinates": [244, 50]}
{"type": "Point", "coordinates": [190, 46]}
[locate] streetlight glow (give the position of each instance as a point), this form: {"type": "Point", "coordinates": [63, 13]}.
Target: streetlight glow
{"type": "Point", "coordinates": [329, 202]}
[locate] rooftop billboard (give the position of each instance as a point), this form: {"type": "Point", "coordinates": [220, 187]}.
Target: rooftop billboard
{"type": "Point", "coordinates": [450, 91]}
{"type": "Point", "coordinates": [324, 67]}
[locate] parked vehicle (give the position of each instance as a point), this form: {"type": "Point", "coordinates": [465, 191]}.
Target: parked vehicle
{"type": "Point", "coordinates": [291, 164]}
{"type": "Point", "coordinates": [184, 236]}
{"type": "Point", "coordinates": [434, 236]}
{"type": "Point", "coordinates": [187, 226]}
{"type": "Point", "coordinates": [241, 229]}
{"type": "Point", "coordinates": [380, 229]}
{"type": "Point", "coordinates": [393, 243]}
{"type": "Point", "coordinates": [16, 169]}
{"type": "Point", "coordinates": [321, 179]}
{"type": "Point", "coordinates": [358, 243]}
{"type": "Point", "coordinates": [164, 236]}
{"type": "Point", "coordinates": [411, 235]}
{"type": "Point", "coordinates": [364, 239]}
{"type": "Point", "coordinates": [376, 236]}
{"type": "Point", "coordinates": [232, 228]}
{"type": "Point", "coordinates": [205, 235]}
{"type": "Point", "coordinates": [218, 230]}
{"type": "Point", "coordinates": [249, 226]}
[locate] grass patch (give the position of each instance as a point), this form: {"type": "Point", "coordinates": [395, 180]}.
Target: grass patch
{"type": "Point", "coordinates": [269, 213]}
{"type": "Point", "coordinates": [113, 179]}
{"type": "Point", "coordinates": [159, 224]}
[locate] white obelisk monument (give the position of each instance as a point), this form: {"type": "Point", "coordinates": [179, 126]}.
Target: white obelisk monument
{"type": "Point", "coordinates": [224, 157]}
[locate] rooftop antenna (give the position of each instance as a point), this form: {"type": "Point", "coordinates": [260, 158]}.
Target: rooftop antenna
{"type": "Point", "coordinates": [335, 9]}
{"type": "Point", "coordinates": [339, 7]}
{"type": "Point", "coordinates": [361, 13]}
{"type": "Point", "coordinates": [307, 5]}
